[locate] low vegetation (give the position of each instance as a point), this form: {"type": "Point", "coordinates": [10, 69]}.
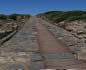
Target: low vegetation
{"type": "Point", "coordinates": [68, 16]}
{"type": "Point", "coordinates": [14, 16]}
{"type": "Point", "coordinates": [18, 16]}
{"type": "Point", "coordinates": [11, 23]}
{"type": "Point", "coordinates": [2, 16]}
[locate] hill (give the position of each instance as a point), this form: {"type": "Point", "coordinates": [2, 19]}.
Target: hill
{"type": "Point", "coordinates": [58, 16]}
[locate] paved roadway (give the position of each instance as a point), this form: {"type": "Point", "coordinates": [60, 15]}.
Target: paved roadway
{"type": "Point", "coordinates": [34, 47]}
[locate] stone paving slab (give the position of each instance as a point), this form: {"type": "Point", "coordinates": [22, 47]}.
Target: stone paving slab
{"type": "Point", "coordinates": [36, 57]}
{"type": "Point", "coordinates": [60, 62]}
{"type": "Point", "coordinates": [25, 38]}
{"type": "Point", "coordinates": [37, 65]}
{"type": "Point", "coordinates": [59, 56]}
{"type": "Point", "coordinates": [50, 45]}
{"type": "Point", "coordinates": [35, 48]}
{"type": "Point", "coordinates": [15, 54]}
{"type": "Point", "coordinates": [48, 42]}
{"type": "Point", "coordinates": [65, 63]}
{"type": "Point", "coordinates": [64, 36]}
{"type": "Point", "coordinates": [13, 66]}
{"type": "Point", "coordinates": [16, 67]}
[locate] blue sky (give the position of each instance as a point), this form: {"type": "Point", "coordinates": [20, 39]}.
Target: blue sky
{"type": "Point", "coordinates": [38, 6]}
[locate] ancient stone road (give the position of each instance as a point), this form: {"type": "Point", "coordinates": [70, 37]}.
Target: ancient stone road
{"type": "Point", "coordinates": [34, 47]}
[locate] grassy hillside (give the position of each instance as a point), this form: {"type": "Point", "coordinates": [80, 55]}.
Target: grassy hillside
{"type": "Point", "coordinates": [58, 16]}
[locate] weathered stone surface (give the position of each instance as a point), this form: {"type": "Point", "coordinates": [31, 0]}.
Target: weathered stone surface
{"type": "Point", "coordinates": [25, 38]}
{"type": "Point", "coordinates": [19, 48]}
{"type": "Point", "coordinates": [81, 54]}
{"type": "Point", "coordinates": [15, 67]}
{"type": "Point", "coordinates": [8, 25]}
{"type": "Point", "coordinates": [70, 39]}
{"type": "Point", "coordinates": [36, 57]}
{"type": "Point", "coordinates": [59, 56]}
{"type": "Point", "coordinates": [37, 65]}
{"type": "Point", "coordinates": [23, 50]}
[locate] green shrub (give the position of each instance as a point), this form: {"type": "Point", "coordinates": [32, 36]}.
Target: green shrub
{"type": "Point", "coordinates": [13, 16]}
{"type": "Point", "coordinates": [2, 16]}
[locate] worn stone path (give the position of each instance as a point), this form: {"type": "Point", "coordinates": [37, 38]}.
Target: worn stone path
{"type": "Point", "coordinates": [16, 53]}
{"type": "Point", "coordinates": [34, 47]}
{"type": "Point", "coordinates": [56, 54]}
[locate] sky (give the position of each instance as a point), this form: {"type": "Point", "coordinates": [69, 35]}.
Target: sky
{"type": "Point", "coordinates": [38, 6]}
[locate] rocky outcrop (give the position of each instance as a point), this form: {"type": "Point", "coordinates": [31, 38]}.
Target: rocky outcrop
{"type": "Point", "coordinates": [7, 26]}
{"type": "Point", "coordinates": [77, 28]}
